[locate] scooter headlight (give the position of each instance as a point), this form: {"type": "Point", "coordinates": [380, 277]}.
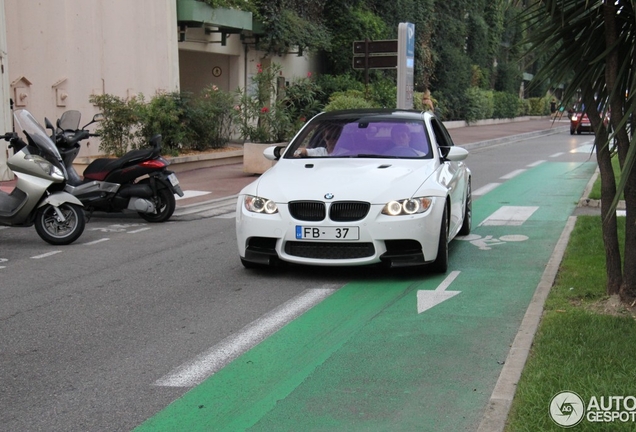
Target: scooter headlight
{"type": "Point", "coordinates": [46, 166]}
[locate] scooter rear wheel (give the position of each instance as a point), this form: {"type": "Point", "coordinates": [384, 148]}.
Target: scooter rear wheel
{"type": "Point", "coordinates": [165, 204]}
{"type": "Point", "coordinates": [53, 230]}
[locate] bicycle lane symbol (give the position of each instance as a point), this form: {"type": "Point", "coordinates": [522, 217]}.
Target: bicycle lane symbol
{"type": "Point", "coordinates": [486, 242]}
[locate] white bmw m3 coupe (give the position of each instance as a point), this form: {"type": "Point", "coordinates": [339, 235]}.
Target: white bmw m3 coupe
{"type": "Point", "coordinates": [358, 187]}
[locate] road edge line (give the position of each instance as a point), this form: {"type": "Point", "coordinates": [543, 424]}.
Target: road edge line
{"type": "Point", "coordinates": [496, 413]}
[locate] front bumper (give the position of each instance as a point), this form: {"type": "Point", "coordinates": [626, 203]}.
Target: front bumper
{"type": "Point", "coordinates": [396, 241]}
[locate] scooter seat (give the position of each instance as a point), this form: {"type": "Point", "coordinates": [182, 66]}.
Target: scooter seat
{"type": "Point", "coordinates": [100, 168]}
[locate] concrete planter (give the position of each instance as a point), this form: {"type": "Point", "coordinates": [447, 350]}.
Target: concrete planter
{"type": "Point", "coordinates": [253, 160]}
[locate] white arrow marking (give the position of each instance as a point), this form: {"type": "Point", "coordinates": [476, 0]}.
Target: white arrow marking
{"type": "Point", "coordinates": [427, 299]}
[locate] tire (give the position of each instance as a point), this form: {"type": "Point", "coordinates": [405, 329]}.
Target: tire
{"type": "Point", "coordinates": [164, 202]}
{"type": "Point", "coordinates": [52, 231]}
{"type": "Point", "coordinates": [468, 213]}
{"type": "Point", "coordinates": [440, 265]}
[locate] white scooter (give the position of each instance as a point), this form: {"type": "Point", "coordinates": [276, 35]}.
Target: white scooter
{"type": "Point", "coordinates": [39, 198]}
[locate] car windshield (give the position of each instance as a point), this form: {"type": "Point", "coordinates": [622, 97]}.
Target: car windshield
{"type": "Point", "coordinates": [361, 138]}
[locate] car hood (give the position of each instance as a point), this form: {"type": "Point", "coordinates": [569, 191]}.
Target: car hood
{"type": "Point", "coordinates": [372, 180]}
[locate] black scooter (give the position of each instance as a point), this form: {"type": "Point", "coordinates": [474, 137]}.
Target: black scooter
{"type": "Point", "coordinates": [139, 181]}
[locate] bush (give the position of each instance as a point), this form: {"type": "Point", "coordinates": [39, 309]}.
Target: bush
{"type": "Point", "coordinates": [302, 101]}
{"type": "Point", "coordinates": [383, 93]}
{"type": "Point", "coordinates": [119, 130]}
{"type": "Point", "coordinates": [506, 105]}
{"type": "Point", "coordinates": [538, 106]}
{"type": "Point", "coordinates": [166, 114]}
{"type": "Point", "coordinates": [262, 116]}
{"type": "Point", "coordinates": [344, 101]}
{"type": "Point", "coordinates": [211, 118]}
{"type": "Point", "coordinates": [479, 104]}
{"type": "Point", "coordinates": [330, 84]}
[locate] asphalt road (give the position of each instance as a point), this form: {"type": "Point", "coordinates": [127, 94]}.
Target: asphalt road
{"type": "Point", "coordinates": [87, 330]}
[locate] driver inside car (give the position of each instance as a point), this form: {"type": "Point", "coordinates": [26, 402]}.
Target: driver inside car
{"type": "Point", "coordinates": [401, 140]}
{"type": "Point", "coordinates": [329, 137]}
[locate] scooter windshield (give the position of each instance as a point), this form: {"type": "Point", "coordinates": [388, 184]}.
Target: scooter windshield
{"type": "Point", "coordinates": [70, 120]}
{"type": "Point", "coordinates": [38, 137]}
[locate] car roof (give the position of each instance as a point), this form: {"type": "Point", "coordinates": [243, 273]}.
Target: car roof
{"type": "Point", "coordinates": [376, 113]}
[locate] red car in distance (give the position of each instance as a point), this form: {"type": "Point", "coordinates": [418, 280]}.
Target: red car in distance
{"type": "Point", "coordinates": [579, 122]}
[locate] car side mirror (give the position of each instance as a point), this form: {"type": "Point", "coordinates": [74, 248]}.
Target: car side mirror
{"type": "Point", "coordinates": [454, 154]}
{"type": "Point", "coordinates": [273, 153]}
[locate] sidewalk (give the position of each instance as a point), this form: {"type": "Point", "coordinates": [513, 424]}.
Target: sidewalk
{"type": "Point", "coordinates": [208, 184]}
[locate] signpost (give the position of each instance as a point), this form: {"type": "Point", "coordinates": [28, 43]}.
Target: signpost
{"type": "Point", "coordinates": [406, 63]}
{"type": "Point", "coordinates": [381, 54]}
{"type": "Point", "coordinates": [390, 54]}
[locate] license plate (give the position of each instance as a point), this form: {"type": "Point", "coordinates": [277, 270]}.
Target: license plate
{"type": "Point", "coordinates": [327, 233]}
{"type": "Point", "coordinates": [173, 179]}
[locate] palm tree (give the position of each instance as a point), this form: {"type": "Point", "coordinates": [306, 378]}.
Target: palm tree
{"type": "Point", "coordinates": [592, 45]}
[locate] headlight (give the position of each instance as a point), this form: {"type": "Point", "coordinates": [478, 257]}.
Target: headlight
{"type": "Point", "coordinates": [46, 166]}
{"type": "Point", "coordinates": [256, 204]}
{"type": "Point", "coordinates": [407, 206]}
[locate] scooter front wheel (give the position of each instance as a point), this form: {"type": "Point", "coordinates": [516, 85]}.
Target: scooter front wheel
{"type": "Point", "coordinates": [53, 230]}
{"type": "Point", "coordinates": [165, 204]}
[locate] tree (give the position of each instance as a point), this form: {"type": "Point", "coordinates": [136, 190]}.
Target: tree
{"type": "Point", "coordinates": [597, 43]}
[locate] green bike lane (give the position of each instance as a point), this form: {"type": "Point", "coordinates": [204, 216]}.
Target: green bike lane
{"type": "Point", "coordinates": [368, 359]}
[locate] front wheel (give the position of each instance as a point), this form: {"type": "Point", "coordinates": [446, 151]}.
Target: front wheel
{"type": "Point", "coordinates": [53, 230]}
{"type": "Point", "coordinates": [468, 213]}
{"type": "Point", "coordinates": [440, 265]}
{"type": "Point", "coordinates": [165, 205]}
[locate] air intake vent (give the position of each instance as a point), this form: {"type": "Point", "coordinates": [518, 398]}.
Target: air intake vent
{"type": "Point", "coordinates": [312, 211]}
{"type": "Point", "coordinates": [348, 211]}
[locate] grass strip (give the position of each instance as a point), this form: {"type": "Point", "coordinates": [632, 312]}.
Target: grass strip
{"type": "Point", "coordinates": [585, 342]}
{"type": "Point", "coordinates": [595, 193]}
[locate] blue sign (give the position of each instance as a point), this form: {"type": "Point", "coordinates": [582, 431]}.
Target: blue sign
{"type": "Point", "coordinates": [410, 40]}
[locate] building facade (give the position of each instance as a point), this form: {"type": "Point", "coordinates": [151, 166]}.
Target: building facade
{"type": "Point", "coordinates": [60, 52]}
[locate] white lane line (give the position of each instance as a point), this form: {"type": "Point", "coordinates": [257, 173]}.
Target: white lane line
{"type": "Point", "coordinates": [510, 216]}
{"type": "Point", "coordinates": [214, 359]}
{"type": "Point", "coordinates": [510, 175]}
{"type": "Point", "coordinates": [485, 189]}
{"type": "Point", "coordinates": [556, 155]}
{"type": "Point", "coordinates": [48, 254]}
{"type": "Point", "coordinates": [534, 164]}
{"type": "Point", "coordinates": [3, 227]}
{"type": "Point", "coordinates": [191, 194]}
{"type": "Point", "coordinates": [139, 230]}
{"type": "Point", "coordinates": [585, 148]}
{"type": "Point", "coordinates": [96, 241]}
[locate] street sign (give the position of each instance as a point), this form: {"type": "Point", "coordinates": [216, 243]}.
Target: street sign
{"type": "Point", "coordinates": [376, 62]}
{"type": "Point", "coordinates": [380, 54]}
{"type": "Point", "coordinates": [374, 47]}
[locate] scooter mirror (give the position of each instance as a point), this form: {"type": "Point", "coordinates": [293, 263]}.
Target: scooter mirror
{"type": "Point", "coordinates": [98, 117]}
{"type": "Point", "coordinates": [47, 123]}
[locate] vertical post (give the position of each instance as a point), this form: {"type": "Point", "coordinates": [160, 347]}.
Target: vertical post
{"type": "Point", "coordinates": [406, 63]}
